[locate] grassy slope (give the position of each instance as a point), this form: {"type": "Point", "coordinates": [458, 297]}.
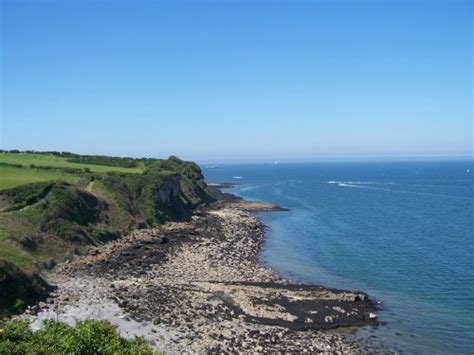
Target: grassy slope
{"type": "Point", "coordinates": [11, 176]}
{"type": "Point", "coordinates": [47, 222]}
{"type": "Point", "coordinates": [48, 160]}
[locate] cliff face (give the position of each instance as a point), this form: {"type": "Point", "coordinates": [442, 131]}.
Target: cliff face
{"type": "Point", "coordinates": [168, 193]}
{"type": "Point", "coordinates": [167, 190]}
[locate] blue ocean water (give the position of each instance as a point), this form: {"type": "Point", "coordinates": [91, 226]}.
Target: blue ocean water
{"type": "Point", "coordinates": [403, 232]}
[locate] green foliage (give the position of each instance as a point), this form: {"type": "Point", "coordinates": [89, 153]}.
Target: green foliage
{"type": "Point", "coordinates": [142, 196]}
{"type": "Point", "coordinates": [86, 337]}
{"type": "Point", "coordinates": [61, 154]}
{"type": "Point", "coordinates": [68, 212]}
{"type": "Point", "coordinates": [25, 195]}
{"type": "Point", "coordinates": [166, 190]}
{"type": "Point", "coordinates": [15, 165]}
{"type": "Point", "coordinates": [68, 202]}
{"type": "Point", "coordinates": [105, 161]}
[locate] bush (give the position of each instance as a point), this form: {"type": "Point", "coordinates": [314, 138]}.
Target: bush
{"type": "Point", "coordinates": [24, 195]}
{"type": "Point", "coordinates": [105, 161]}
{"type": "Point", "coordinates": [86, 337]}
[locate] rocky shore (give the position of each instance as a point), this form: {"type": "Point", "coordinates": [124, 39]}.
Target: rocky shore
{"type": "Point", "coordinates": [196, 286]}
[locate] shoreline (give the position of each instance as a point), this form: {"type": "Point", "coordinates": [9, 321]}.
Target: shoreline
{"type": "Point", "coordinates": [198, 286]}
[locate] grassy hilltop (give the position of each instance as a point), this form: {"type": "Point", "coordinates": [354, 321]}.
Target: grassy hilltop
{"type": "Point", "coordinates": [55, 205]}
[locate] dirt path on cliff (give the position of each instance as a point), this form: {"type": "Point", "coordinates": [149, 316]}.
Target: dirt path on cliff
{"type": "Point", "coordinates": [90, 186]}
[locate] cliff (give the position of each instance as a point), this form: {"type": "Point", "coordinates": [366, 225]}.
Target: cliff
{"type": "Point", "coordinates": [42, 224]}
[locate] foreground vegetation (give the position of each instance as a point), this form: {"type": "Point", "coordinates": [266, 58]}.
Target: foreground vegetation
{"type": "Point", "coordinates": [51, 213]}
{"type": "Point", "coordinates": [86, 337]}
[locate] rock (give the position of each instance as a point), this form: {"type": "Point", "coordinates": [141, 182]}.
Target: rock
{"type": "Point", "coordinates": [48, 264]}
{"type": "Point", "coordinates": [123, 303]}
{"type": "Point", "coordinates": [253, 333]}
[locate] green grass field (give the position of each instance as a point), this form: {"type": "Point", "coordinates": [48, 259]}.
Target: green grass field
{"type": "Point", "coordinates": [26, 159]}
{"type": "Point", "coordinates": [11, 177]}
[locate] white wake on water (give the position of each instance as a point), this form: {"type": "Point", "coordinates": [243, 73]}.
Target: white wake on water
{"type": "Point", "coordinates": [377, 185]}
{"type": "Point", "coordinates": [360, 184]}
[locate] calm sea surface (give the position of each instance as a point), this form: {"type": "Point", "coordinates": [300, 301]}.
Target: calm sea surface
{"type": "Point", "coordinates": [403, 232]}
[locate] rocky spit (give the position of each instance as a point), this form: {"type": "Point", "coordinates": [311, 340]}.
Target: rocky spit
{"type": "Point", "coordinates": [197, 287]}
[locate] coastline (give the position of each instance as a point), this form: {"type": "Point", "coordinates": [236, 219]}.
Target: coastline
{"type": "Point", "coordinates": [197, 286]}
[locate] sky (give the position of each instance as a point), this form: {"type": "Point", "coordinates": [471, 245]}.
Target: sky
{"type": "Point", "coordinates": [229, 80]}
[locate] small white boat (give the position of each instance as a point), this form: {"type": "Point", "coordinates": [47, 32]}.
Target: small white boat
{"type": "Point", "coordinates": [236, 177]}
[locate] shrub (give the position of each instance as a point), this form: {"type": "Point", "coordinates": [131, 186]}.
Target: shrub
{"type": "Point", "coordinates": [86, 337]}
{"type": "Point", "coordinates": [21, 196]}
{"type": "Point", "coordinates": [105, 161]}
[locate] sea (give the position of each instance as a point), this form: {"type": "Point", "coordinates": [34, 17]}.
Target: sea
{"type": "Point", "coordinates": [400, 231]}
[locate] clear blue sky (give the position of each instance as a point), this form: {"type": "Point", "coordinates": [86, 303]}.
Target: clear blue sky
{"type": "Point", "coordinates": [238, 80]}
